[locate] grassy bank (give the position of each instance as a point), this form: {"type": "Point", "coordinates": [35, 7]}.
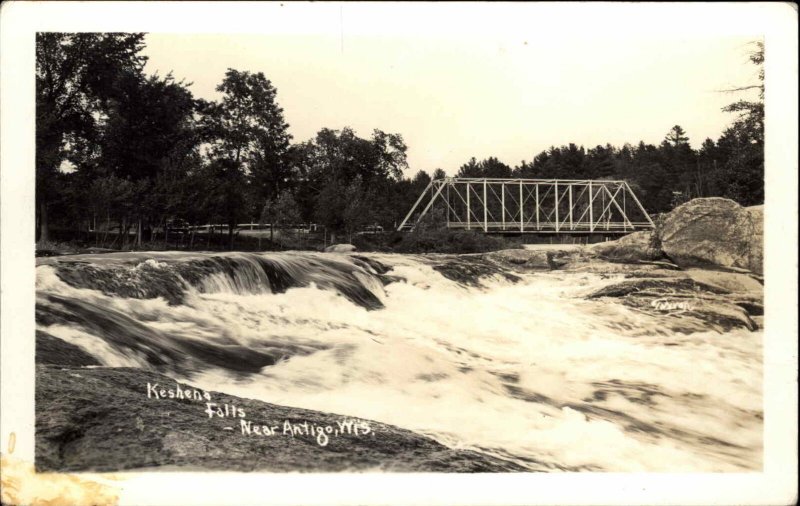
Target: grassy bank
{"type": "Point", "coordinates": [69, 242]}
{"type": "Point", "coordinates": [423, 241]}
{"type": "Point", "coordinates": [439, 240]}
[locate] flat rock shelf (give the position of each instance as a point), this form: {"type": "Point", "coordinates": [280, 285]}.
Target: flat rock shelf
{"type": "Point", "coordinates": [101, 419]}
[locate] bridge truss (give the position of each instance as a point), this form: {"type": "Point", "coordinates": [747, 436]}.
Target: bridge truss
{"type": "Point", "coordinates": [537, 206]}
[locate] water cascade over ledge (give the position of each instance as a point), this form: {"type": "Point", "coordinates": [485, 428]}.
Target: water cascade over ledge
{"type": "Point", "coordinates": [520, 366]}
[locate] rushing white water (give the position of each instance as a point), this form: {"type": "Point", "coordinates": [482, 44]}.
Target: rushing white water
{"type": "Point", "coordinates": [529, 371]}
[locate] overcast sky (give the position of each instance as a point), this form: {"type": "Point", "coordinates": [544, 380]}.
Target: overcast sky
{"type": "Point", "coordinates": [478, 80]}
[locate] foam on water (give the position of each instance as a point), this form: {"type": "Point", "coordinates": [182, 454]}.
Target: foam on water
{"type": "Point", "coordinates": [530, 371]}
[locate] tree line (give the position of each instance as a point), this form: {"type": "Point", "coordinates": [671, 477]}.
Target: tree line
{"type": "Point", "coordinates": [117, 149]}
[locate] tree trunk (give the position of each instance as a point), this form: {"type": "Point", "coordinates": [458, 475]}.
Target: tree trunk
{"type": "Point", "coordinates": [139, 234]}
{"type": "Point", "coordinates": [44, 229]}
{"type": "Point", "coordinates": [230, 235]}
{"type": "Point", "coordinates": [105, 232]}
{"type": "Point", "coordinates": [127, 234]}
{"type": "Point", "coordinates": [123, 230]}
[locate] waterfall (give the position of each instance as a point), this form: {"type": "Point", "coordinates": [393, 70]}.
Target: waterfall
{"type": "Point", "coordinates": [523, 367]}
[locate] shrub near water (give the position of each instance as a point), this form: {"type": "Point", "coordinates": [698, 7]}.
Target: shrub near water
{"type": "Point", "coordinates": [443, 240]}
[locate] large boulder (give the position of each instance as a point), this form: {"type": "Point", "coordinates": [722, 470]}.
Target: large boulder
{"type": "Point", "coordinates": [714, 231]}
{"type": "Point", "coordinates": [340, 248]}
{"type": "Point", "coordinates": [757, 251]}
{"type": "Point", "coordinates": [630, 248]}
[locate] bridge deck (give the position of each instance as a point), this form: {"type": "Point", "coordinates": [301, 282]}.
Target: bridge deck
{"type": "Point", "coordinates": [512, 227]}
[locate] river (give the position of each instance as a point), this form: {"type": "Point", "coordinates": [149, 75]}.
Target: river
{"type": "Point", "coordinates": [529, 370]}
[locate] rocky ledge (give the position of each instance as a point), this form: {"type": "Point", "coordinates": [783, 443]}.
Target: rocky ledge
{"type": "Point", "coordinates": [91, 418]}
{"type": "Point", "coordinates": [701, 268]}
{"type": "Point", "coordinates": [685, 299]}
{"type": "Point", "coordinates": [692, 300]}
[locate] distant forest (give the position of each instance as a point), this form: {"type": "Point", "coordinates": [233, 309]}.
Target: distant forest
{"type": "Point", "coordinates": [119, 149]}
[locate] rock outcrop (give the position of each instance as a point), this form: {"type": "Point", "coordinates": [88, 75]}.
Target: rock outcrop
{"type": "Point", "coordinates": [521, 258]}
{"type": "Point", "coordinates": [714, 231]}
{"type": "Point", "coordinates": [692, 301]}
{"type": "Point", "coordinates": [633, 247]}
{"type": "Point", "coordinates": [340, 248]}
{"type": "Point", "coordinates": [530, 259]}
{"type": "Point", "coordinates": [757, 246]}
{"type": "Point", "coordinates": [470, 270]}
{"type": "Point", "coordinates": [52, 350]}
{"type": "Point", "coordinates": [114, 419]}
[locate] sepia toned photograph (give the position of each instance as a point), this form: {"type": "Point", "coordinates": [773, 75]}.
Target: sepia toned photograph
{"type": "Point", "coordinates": [419, 250]}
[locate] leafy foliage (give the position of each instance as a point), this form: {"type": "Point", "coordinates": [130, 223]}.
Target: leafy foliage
{"type": "Point", "coordinates": [120, 151]}
{"type": "Point", "coordinates": [75, 76]}
{"type": "Point", "coordinates": [443, 240]}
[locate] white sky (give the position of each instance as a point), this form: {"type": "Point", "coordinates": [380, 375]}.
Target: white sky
{"type": "Point", "coordinates": [463, 80]}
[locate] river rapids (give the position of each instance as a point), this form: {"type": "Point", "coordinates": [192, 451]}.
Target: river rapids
{"type": "Point", "coordinates": [524, 368]}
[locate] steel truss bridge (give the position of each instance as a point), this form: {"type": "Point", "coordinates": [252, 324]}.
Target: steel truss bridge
{"type": "Point", "coordinates": [530, 206]}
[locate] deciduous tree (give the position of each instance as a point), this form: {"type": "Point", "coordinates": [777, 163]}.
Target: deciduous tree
{"type": "Point", "coordinates": [249, 137]}
{"type": "Point", "coordinates": [75, 74]}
